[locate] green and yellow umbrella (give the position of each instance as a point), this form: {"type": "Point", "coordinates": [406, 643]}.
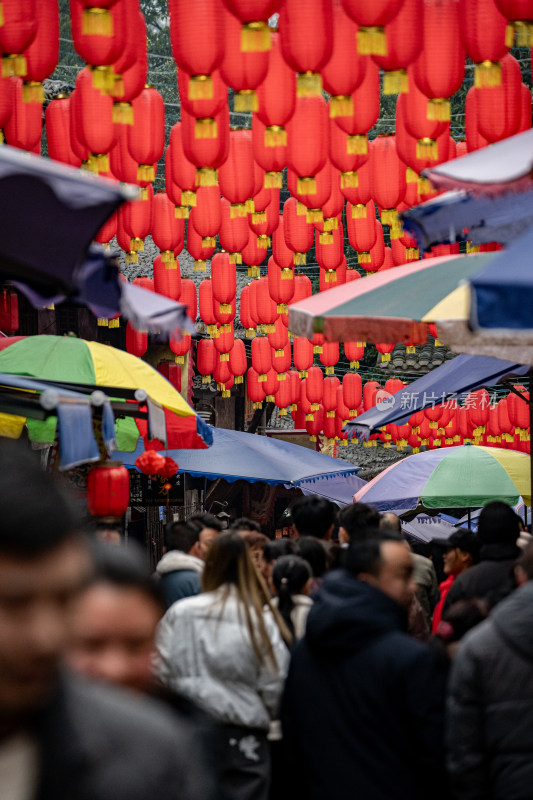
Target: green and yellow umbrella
{"type": "Point", "coordinates": [77, 361]}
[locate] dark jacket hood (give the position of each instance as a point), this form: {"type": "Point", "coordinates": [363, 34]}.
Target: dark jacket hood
{"type": "Point", "coordinates": [348, 614]}
{"type": "Point", "coordinates": [513, 619]}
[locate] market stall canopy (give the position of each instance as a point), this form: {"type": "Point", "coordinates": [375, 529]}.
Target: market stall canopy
{"type": "Point", "coordinates": [426, 528]}
{"type": "Point", "coordinates": [457, 216]}
{"type": "Point", "coordinates": [499, 168]}
{"type": "Point", "coordinates": [391, 306]}
{"type": "Point", "coordinates": [235, 455]}
{"type": "Point", "coordinates": [451, 381]}
{"type": "Point", "coordinates": [339, 489]}
{"type": "Point", "coordinates": [467, 476]}
{"type": "Point", "coordinates": [77, 361]}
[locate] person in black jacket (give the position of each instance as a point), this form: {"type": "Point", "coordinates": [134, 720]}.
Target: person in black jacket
{"type": "Point", "coordinates": [491, 579]}
{"type": "Point", "coordinates": [490, 705]}
{"type": "Point", "coordinates": [363, 708]}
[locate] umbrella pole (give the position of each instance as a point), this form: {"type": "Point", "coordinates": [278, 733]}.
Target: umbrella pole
{"type": "Point", "coordinates": [469, 525]}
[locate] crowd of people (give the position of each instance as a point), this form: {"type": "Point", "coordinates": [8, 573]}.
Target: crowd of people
{"type": "Point", "coordinates": [342, 660]}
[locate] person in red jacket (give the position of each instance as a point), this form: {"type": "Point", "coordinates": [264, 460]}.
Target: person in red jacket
{"type": "Point", "coordinates": [462, 552]}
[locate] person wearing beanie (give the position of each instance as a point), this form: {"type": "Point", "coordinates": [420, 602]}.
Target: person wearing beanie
{"type": "Point", "coordinates": [461, 551]}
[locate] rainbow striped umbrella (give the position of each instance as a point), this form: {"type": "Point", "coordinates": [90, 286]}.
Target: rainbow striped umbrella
{"type": "Point", "coordinates": [467, 476]}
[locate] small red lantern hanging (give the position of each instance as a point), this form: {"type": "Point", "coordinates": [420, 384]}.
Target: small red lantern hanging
{"type": "Point", "coordinates": [108, 490]}
{"type": "Point", "coordinates": [150, 463]}
{"type": "Point", "coordinates": [306, 37]}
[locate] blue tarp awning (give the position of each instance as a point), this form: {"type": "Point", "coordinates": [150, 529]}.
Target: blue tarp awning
{"type": "Point", "coordinates": [235, 455]}
{"type": "Point", "coordinates": [453, 380]}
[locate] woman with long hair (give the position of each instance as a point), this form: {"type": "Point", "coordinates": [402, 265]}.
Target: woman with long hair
{"type": "Point", "coordinates": [291, 578]}
{"type": "Point", "coordinates": [227, 650]}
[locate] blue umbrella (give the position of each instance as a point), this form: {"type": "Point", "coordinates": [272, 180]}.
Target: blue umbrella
{"type": "Point", "coordinates": [451, 381]}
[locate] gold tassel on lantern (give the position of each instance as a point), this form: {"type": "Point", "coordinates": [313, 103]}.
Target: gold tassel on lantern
{"type": "Point", "coordinates": [341, 106]}
{"type": "Point", "coordinates": [309, 418]}
{"type": "Point", "coordinates": [410, 175]}
{"type": "Point", "coordinates": [301, 209]}
{"type": "Point", "coordinates": [412, 253]}
{"type": "Point", "coordinates": [101, 162]}
{"type": "Point", "coordinates": [263, 378]}
{"type": "Point", "coordinates": [302, 373]}
{"type": "Point", "coordinates": [123, 113]}
{"type": "Point", "coordinates": [283, 412]}
{"type": "Point", "coordinates": [313, 215]}
{"type": "Point", "coordinates": [32, 92]}
{"type": "Point", "coordinates": [259, 217]}
{"type": "Point", "coordinates": [206, 378]}
{"type": "Point", "coordinates": [354, 364]}
{"type": "Point", "coordinates": [256, 273]}
{"type": "Point", "coordinates": [145, 172]}
{"type": "Point", "coordinates": [255, 37]}
{"type": "Point", "coordinates": [226, 393]}
{"type": "Point", "coordinates": [1, 14]}
{"type": "Point", "coordinates": [102, 322]}
{"type": "Point", "coordinates": [357, 145]}
{"type": "Point", "coordinates": [205, 176]}
{"type": "Point", "coordinates": [364, 257]}
{"type": "Point", "coordinates": [137, 245]}
{"type": "Point", "coordinates": [250, 333]}
{"type": "Point", "coordinates": [235, 258]}
{"type": "Point", "coordinates": [330, 277]}
{"type": "Point", "coordinates": [309, 84]}
{"type": "Point", "coordinates": [224, 308]}
{"type": "Point", "coordinates": [212, 331]}
{"type": "Point", "coordinates": [201, 87]}
{"type": "Point", "coordinates": [224, 356]}
{"type": "Point", "coordinates": [245, 101]}
{"type": "Point", "coordinates": [238, 379]}
{"type": "Point", "coordinates": [181, 212]}
{"type": "Point", "coordinates": [299, 259]}
{"type": "Point", "coordinates": [287, 274]}
{"type": "Point", "coordinates": [167, 257]}
{"type": "Point", "coordinates": [132, 258]}
{"type": "Point", "coordinates": [282, 308]}
{"type": "Point", "coordinates": [439, 108]}
{"type": "Point", "coordinates": [424, 186]}
{"type": "Point", "coordinates": [396, 230]}
{"type": "Point", "coordinates": [237, 210]}
{"type": "Point", "coordinates": [385, 357]}
{"type": "Point", "coordinates": [389, 216]}
{"type": "Point", "coordinates": [14, 64]}
{"type": "Point", "coordinates": [330, 414]}
{"type": "Point", "coordinates": [179, 359]}
{"type": "Point", "coordinates": [200, 265]}
{"type": "Point", "coordinates": [488, 74]}
{"type": "Point", "coordinates": [96, 22]}
{"type": "Point", "coordinates": [205, 128]}
{"type": "Point", "coordinates": [523, 31]}
{"type": "Point", "coordinates": [349, 180]}
{"type": "Point", "coordinates": [427, 148]}
{"type": "Point", "coordinates": [330, 370]}
{"type": "Point", "coordinates": [359, 211]}
{"type": "Point", "coordinates": [209, 241]}
{"type": "Point", "coordinates": [275, 136]}
{"type": "Point", "coordinates": [306, 185]}
{"type": "Point", "coordinates": [279, 353]}
{"type": "Point", "coordinates": [188, 198]}
{"type": "Point", "coordinates": [317, 349]}
{"type": "Point", "coordinates": [331, 224]}
{"type": "Point", "coordinates": [326, 238]}
{"type": "Point", "coordinates": [114, 323]}
{"type": "Point", "coordinates": [273, 180]}
{"type": "Point", "coordinates": [395, 81]}
{"type": "Point", "coordinates": [410, 349]}
{"type": "Point", "coordinates": [371, 41]}
{"type": "Point", "coordinates": [250, 206]}
{"type": "Point", "coordinates": [103, 79]}
{"type": "Point", "coordinates": [263, 241]}
{"type": "Point", "coordinates": [471, 248]}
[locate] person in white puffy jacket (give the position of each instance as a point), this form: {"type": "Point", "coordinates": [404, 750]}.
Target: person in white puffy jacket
{"type": "Point", "coordinates": [227, 652]}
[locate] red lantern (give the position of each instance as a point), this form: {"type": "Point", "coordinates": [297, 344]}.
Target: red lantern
{"type": "Point", "coordinates": [253, 15]}
{"type": "Point", "coordinates": [306, 37]}
{"type": "Point", "coordinates": [17, 32]}
{"type": "Point", "coordinates": [202, 107]}
{"type": "Point", "coordinates": [180, 346]}
{"type": "Point", "coordinates": [255, 388]}
{"type": "Point", "coordinates": [440, 67]}
{"type": "Point", "coordinates": [200, 252]}
{"type": "Point", "coordinates": [302, 355]}
{"type": "Point", "coordinates": [168, 232]}
{"type": "Point", "coordinates": [236, 175]}
{"type": "Point", "coordinates": [385, 350]}
{"type": "Point", "coordinates": [354, 352]}
{"type": "Point", "coordinates": [371, 16]}
{"type": "Point", "coordinates": [302, 288]}
{"type": "Point", "coordinates": [506, 427]}
{"type": "Point", "coordinates": [280, 285]}
{"type": "Point", "coordinates": [57, 120]}
{"type": "Point", "coordinates": [520, 15]}
{"type": "Point", "coordinates": [329, 356]}
{"type": "Point", "coordinates": [347, 163]}
{"type": "Point", "coordinates": [483, 34]}
{"type": "Point", "coordinates": [237, 360]}
{"type": "Point", "coordinates": [506, 97]}
{"type": "Point", "coordinates": [108, 229]}
{"type": "Point", "coordinates": [223, 280]}
{"type": "Point", "coordinates": [225, 314]}
{"type": "Point", "coordinates": [100, 49]}
{"type": "Point", "coordinates": [312, 193]}
{"type": "Point", "coordinates": [167, 278]}
{"type": "Point", "coordinates": [197, 44]}
{"type": "Point", "coordinates": [223, 343]}
{"type": "Point", "coordinates": [247, 320]}
{"type": "Point", "coordinates": [281, 360]}
{"type": "Point", "coordinates": [315, 425]}
{"type": "Point", "coordinates": [172, 372]}
{"type": "Point", "coordinates": [387, 178]}
{"type": "Point", "coordinates": [404, 42]}
{"type": "Point", "coordinates": [150, 462]}
{"type": "Point", "coordinates": [253, 255]}
{"type": "Point", "coordinates": [352, 392]}
{"type": "Point", "coordinates": [362, 230]}
{"type": "Point", "coordinates": [209, 151]}
{"type": "Point", "coordinates": [414, 117]}
{"type": "Point", "coordinates": [377, 252]}
{"type": "Point", "coordinates": [307, 141]}
{"type": "Point", "coordinates": [370, 390]}
{"type": "Point", "coordinates": [267, 312]}
{"type": "Point", "coordinates": [207, 306]}
{"type": "Point", "coordinates": [108, 490]}
{"type": "Point", "coordinates": [206, 359]}
{"type": "Point", "coordinates": [284, 395]}
{"type": "Point", "coordinates": [242, 70]}
{"type": "Point", "coordinates": [365, 111]}
{"type": "Point", "coordinates": [233, 233]}
{"type": "Point", "coordinates": [206, 217]}
{"type": "Point", "coordinates": [345, 69]}
{"type": "Point", "coordinates": [279, 337]}
{"type": "Point", "coordinates": [276, 99]}
{"type": "Point", "coordinates": [518, 411]}
{"type": "Point", "coordinates": [388, 261]}
{"type": "Point", "coordinates": [146, 137]}
{"type": "Point", "coordinates": [221, 373]}
{"type": "Point", "coordinates": [358, 192]}
{"type": "Point", "coordinates": [183, 171]}
{"type": "Point", "coordinates": [474, 139]}
{"type": "Point", "coordinates": [261, 356]}
{"type": "Point", "coordinates": [136, 219]}
{"type": "Point", "coordinates": [330, 255]}
{"type": "Point", "coordinates": [299, 234]}
{"type": "Point", "coordinates": [136, 341]}
{"type": "Point", "coordinates": [188, 297]}
{"type": "Point", "coordinates": [43, 53]}
{"type": "Point", "coordinates": [283, 255]}
{"type": "Point", "coordinates": [24, 127]}
{"type": "Point", "coordinates": [93, 113]}
{"type": "Point", "coordinates": [314, 386]}
{"type": "Point", "coordinates": [264, 223]}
